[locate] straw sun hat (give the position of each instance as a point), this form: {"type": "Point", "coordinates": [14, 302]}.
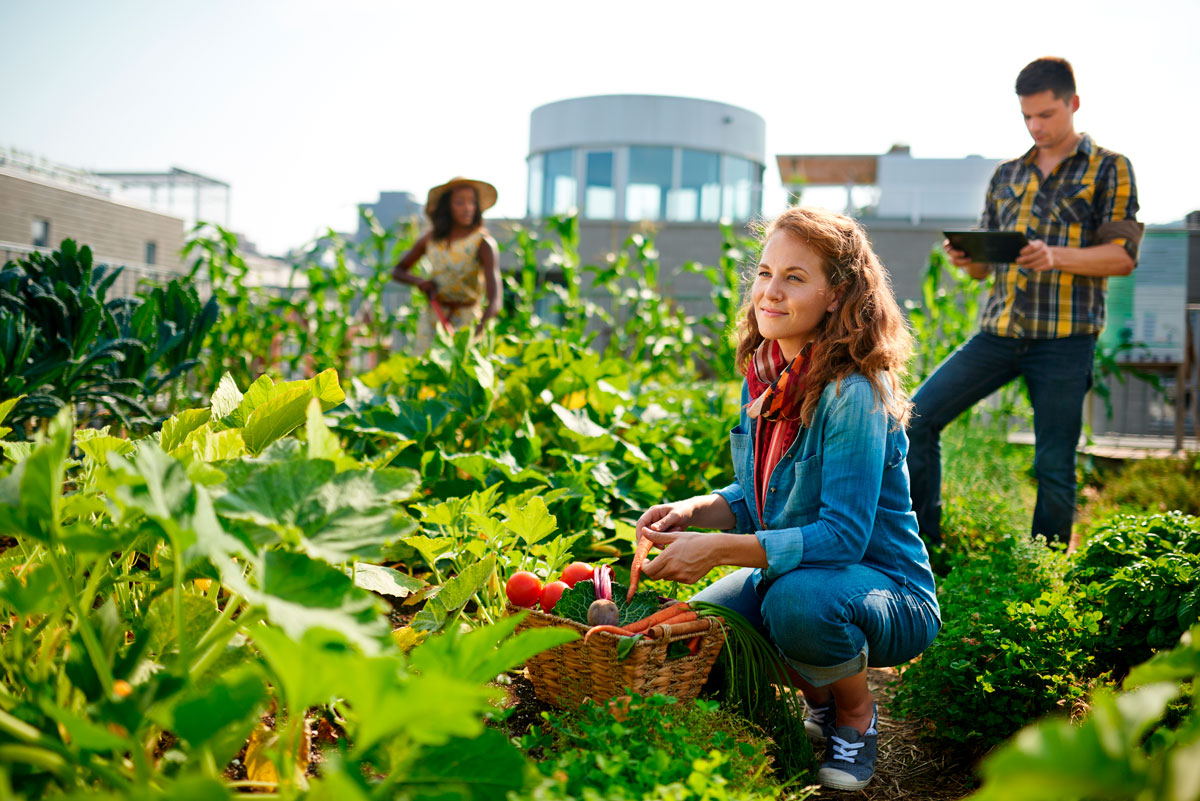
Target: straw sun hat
{"type": "Point", "coordinates": [486, 192]}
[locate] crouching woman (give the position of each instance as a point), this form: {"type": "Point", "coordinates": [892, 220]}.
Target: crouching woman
{"type": "Point", "coordinates": [835, 574]}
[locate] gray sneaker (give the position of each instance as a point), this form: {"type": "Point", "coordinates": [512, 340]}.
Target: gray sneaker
{"type": "Point", "coordinates": [818, 724]}
{"type": "Point", "coordinates": [850, 757]}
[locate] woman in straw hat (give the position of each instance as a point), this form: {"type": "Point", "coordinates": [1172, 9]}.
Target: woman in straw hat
{"type": "Point", "coordinates": [462, 268]}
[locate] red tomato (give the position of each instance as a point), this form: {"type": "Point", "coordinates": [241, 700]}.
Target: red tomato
{"type": "Point", "coordinates": [552, 593]}
{"type": "Point", "coordinates": [523, 589]}
{"type": "Point", "coordinates": [575, 572]}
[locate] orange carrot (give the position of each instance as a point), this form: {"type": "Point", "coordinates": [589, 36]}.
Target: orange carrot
{"type": "Point", "coordinates": [609, 629]}
{"type": "Point", "coordinates": [693, 645]}
{"type": "Point", "coordinates": [639, 556]}
{"type": "Point", "coordinates": [658, 617]}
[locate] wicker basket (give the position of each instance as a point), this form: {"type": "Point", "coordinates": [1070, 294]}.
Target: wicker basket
{"type": "Point", "coordinates": [567, 674]}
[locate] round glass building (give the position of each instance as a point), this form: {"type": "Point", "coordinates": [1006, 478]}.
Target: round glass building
{"type": "Point", "coordinates": [646, 157]}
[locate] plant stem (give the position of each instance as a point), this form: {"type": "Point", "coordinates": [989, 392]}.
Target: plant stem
{"type": "Point", "coordinates": [184, 646]}
{"type": "Point", "coordinates": [90, 642]}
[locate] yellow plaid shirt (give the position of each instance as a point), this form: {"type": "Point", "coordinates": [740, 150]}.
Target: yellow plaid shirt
{"type": "Point", "coordinates": [1075, 206]}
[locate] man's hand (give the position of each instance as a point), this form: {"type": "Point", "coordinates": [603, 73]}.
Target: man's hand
{"type": "Point", "coordinates": [1037, 256]}
{"type": "Point", "coordinates": [957, 257]}
{"type": "Point", "coordinates": [962, 261]}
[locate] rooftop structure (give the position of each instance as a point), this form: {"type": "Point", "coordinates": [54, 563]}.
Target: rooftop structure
{"type": "Point", "coordinates": [907, 188]}
{"type": "Point", "coordinates": [181, 193]}
{"type": "Point", "coordinates": [646, 158]}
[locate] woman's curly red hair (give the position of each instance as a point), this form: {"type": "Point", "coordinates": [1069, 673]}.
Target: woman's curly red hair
{"type": "Point", "coordinates": [866, 334]}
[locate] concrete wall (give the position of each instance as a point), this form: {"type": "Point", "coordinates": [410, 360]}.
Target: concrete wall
{"type": "Point", "coordinates": [116, 232]}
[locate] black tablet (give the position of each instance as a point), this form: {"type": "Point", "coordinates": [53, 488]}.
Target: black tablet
{"type": "Point", "coordinates": [988, 246]}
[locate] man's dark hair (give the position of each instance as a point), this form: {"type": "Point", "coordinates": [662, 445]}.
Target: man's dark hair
{"type": "Point", "coordinates": [1050, 73]}
{"type": "Point", "coordinates": [443, 221]}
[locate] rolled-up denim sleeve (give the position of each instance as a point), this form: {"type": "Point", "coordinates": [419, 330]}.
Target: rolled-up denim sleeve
{"type": "Point", "coordinates": [851, 474]}
{"type": "Point", "coordinates": [735, 496]}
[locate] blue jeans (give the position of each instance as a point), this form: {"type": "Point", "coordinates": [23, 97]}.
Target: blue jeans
{"type": "Point", "coordinates": [1058, 374]}
{"type": "Point", "coordinates": [831, 623]}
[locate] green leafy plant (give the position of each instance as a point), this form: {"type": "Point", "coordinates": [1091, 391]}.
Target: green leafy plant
{"type": "Point", "coordinates": [1109, 755]}
{"type": "Point", "coordinates": [1141, 486]}
{"type": "Point", "coordinates": [752, 679]}
{"type": "Point", "coordinates": [158, 606]}
{"type": "Point", "coordinates": [987, 493]}
{"type": "Point", "coordinates": [1146, 575]}
{"type": "Point", "coordinates": [639, 748]}
{"type": "Point", "coordinates": [1009, 651]}
{"type": "Point", "coordinates": [64, 343]}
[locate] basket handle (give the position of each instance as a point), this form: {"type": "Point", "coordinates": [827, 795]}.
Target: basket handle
{"type": "Point", "coordinates": [669, 633]}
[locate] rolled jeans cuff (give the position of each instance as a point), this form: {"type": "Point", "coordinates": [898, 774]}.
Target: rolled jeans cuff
{"type": "Point", "coordinates": [819, 676]}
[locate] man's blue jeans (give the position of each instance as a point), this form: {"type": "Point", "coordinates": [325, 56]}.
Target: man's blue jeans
{"type": "Point", "coordinates": [1058, 374]}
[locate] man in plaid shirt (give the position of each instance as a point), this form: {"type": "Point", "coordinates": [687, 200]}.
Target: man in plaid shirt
{"type": "Point", "coordinates": [1076, 204]}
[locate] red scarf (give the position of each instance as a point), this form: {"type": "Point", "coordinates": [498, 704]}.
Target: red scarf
{"type": "Point", "coordinates": [777, 388]}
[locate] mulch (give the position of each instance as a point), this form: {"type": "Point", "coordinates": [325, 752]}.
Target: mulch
{"type": "Point", "coordinates": [910, 767]}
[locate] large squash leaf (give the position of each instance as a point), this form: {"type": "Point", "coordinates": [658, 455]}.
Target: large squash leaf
{"type": "Point", "coordinates": [337, 517]}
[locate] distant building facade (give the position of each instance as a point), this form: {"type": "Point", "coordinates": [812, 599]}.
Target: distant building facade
{"type": "Point", "coordinates": [41, 204]}
{"type": "Point", "coordinates": [180, 193]}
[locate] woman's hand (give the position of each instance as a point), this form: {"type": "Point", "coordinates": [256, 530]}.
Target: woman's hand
{"type": "Point", "coordinates": [687, 556]}
{"type": "Point", "coordinates": [676, 516]}
{"type": "Point", "coordinates": [426, 286]}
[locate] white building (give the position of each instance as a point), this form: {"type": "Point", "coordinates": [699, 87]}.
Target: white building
{"type": "Point", "coordinates": [646, 157]}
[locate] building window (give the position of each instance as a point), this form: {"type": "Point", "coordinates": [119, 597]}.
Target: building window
{"type": "Point", "coordinates": [558, 193]}
{"type": "Point", "coordinates": [599, 196]}
{"type": "Point", "coordinates": [649, 183]}
{"type": "Point", "coordinates": [740, 190]}
{"type": "Point", "coordinates": [41, 233]}
{"type": "Point", "coordinates": [698, 197]}
{"type": "Point", "coordinates": [535, 185]}
{"type": "Point", "coordinates": [151, 253]}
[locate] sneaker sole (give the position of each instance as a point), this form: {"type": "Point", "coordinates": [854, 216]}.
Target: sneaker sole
{"type": "Point", "coordinates": [834, 784]}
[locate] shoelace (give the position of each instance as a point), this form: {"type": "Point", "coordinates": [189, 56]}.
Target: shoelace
{"type": "Point", "coordinates": [844, 750]}
{"type": "Point", "coordinates": [817, 713]}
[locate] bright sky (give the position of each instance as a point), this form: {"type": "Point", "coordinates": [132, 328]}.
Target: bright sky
{"type": "Point", "coordinates": [308, 108]}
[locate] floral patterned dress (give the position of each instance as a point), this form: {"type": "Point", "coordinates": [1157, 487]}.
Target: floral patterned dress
{"type": "Point", "coordinates": [453, 266]}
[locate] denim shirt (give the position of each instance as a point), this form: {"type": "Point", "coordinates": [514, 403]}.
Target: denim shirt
{"type": "Point", "coordinates": [839, 496]}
